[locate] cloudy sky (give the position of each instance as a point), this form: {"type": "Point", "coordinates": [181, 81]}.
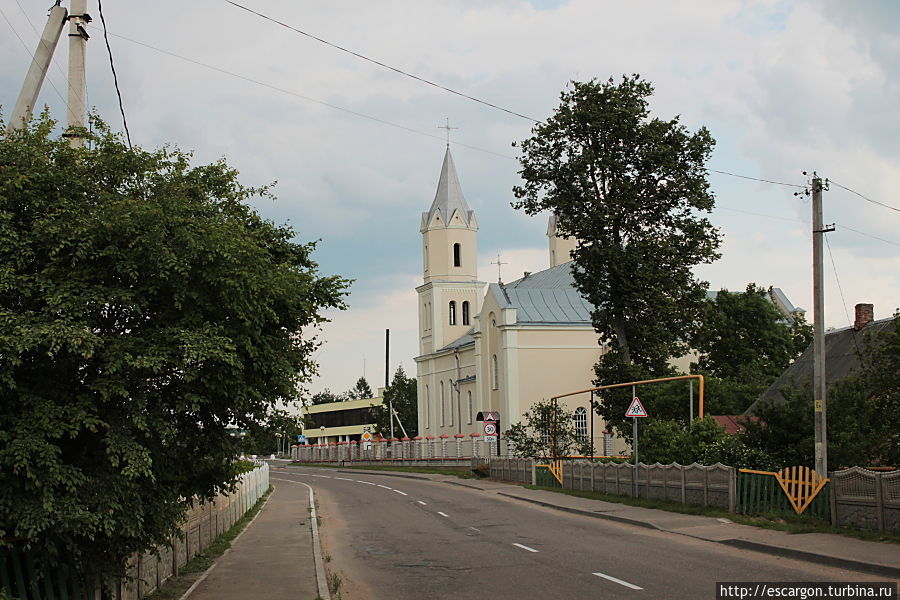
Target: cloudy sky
{"type": "Point", "coordinates": [784, 87]}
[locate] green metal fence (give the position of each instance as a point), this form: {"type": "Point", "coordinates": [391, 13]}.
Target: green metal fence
{"type": "Point", "coordinates": [545, 478]}
{"type": "Point", "coordinates": [25, 577]}
{"type": "Point", "coordinates": [760, 494]}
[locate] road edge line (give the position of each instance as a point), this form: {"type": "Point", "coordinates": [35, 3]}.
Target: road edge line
{"type": "Point", "coordinates": [585, 513]}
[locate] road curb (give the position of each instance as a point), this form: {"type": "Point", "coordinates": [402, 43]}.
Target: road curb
{"type": "Point", "coordinates": [822, 559]}
{"type": "Point", "coordinates": [585, 513]}
{"type": "Point", "coordinates": [465, 485]}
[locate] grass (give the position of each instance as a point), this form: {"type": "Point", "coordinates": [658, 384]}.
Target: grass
{"type": "Point", "coordinates": [461, 473]}
{"type": "Point", "coordinates": [790, 523]}
{"type": "Point", "coordinates": [174, 588]}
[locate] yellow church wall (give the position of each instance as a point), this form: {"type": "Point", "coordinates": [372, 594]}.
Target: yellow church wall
{"type": "Point", "coordinates": [437, 252]}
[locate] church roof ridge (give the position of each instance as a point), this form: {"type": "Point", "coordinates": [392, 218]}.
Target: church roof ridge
{"type": "Point", "coordinates": [449, 196]}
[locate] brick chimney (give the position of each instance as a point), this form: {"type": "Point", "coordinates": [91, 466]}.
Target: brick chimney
{"type": "Point", "coordinates": [865, 314]}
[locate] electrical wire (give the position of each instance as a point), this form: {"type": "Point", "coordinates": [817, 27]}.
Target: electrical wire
{"type": "Point", "coordinates": [306, 98]}
{"type": "Point", "coordinates": [755, 178]}
{"type": "Point", "coordinates": [381, 64]}
{"type": "Point", "coordinates": [112, 66]}
{"type": "Point", "coordinates": [837, 279]}
{"type": "Point", "coordinates": [863, 197]}
{"type": "Point", "coordinates": [869, 235]}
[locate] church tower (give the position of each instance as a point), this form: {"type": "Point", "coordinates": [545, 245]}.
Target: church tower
{"type": "Point", "coordinates": [450, 296]}
{"type": "Point", "coordinates": [560, 247]}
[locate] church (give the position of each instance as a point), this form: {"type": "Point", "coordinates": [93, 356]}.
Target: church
{"type": "Point", "coordinates": [497, 347]}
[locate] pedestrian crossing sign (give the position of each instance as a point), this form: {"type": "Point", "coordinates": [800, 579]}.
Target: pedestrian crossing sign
{"type": "Point", "coordinates": [636, 409]}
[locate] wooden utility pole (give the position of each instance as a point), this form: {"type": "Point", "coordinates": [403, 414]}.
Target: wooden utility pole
{"type": "Point", "coordinates": [819, 387]}
{"type": "Point", "coordinates": [38, 70]}
{"type": "Point", "coordinates": [78, 37]}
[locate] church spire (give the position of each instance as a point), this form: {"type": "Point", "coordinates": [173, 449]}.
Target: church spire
{"type": "Point", "coordinates": [449, 196]}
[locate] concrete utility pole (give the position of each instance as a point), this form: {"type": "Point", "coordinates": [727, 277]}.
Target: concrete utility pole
{"type": "Point", "coordinates": [78, 37]}
{"type": "Point", "coordinates": [31, 88]}
{"type": "Point", "coordinates": [819, 388]}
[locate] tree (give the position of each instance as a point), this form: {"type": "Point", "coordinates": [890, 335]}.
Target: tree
{"type": "Point", "coordinates": [402, 393]}
{"type": "Point", "coordinates": [361, 390]}
{"type": "Point", "coordinates": [266, 436]}
{"type": "Point", "coordinates": [546, 431]}
{"type": "Point", "coordinates": [745, 338]}
{"type": "Point", "coordinates": [144, 309]}
{"type": "Point", "coordinates": [326, 396]}
{"type": "Point", "coordinates": [630, 190]}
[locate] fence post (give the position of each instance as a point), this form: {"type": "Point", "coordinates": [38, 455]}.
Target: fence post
{"type": "Point", "coordinates": [705, 486]}
{"type": "Point", "coordinates": [732, 490]}
{"type": "Point", "coordinates": [879, 500]}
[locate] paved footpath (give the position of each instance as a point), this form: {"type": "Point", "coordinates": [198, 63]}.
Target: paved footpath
{"type": "Point", "coordinates": [273, 558]}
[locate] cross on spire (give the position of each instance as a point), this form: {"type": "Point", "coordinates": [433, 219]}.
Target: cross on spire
{"type": "Point", "coordinates": [448, 128]}
{"type": "Point", "coordinates": [499, 263]}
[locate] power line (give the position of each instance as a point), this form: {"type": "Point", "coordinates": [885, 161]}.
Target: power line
{"type": "Point", "coordinates": [381, 64]}
{"type": "Point", "coordinates": [112, 66]}
{"type": "Point", "coordinates": [306, 98]}
{"type": "Point", "coordinates": [869, 235]}
{"type": "Point", "coordinates": [863, 197]}
{"type": "Point", "coordinates": [752, 178]}
{"type": "Point", "coordinates": [838, 280]}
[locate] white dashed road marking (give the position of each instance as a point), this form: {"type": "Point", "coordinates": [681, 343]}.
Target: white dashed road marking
{"type": "Point", "coordinates": [365, 482]}
{"type": "Point", "coordinates": [422, 503]}
{"type": "Point", "coordinates": [384, 486]}
{"type": "Point", "coordinates": [443, 514]}
{"type": "Point", "coordinates": [474, 529]}
{"type": "Point", "coordinates": [322, 476]}
{"type": "Point", "coordinates": [523, 547]}
{"type": "Point", "coordinates": [619, 581]}
{"type": "Point", "coordinates": [403, 493]}
{"type": "Point", "coordinates": [343, 479]}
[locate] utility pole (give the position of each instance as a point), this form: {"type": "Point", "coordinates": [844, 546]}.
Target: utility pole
{"type": "Point", "coordinates": [38, 70]}
{"type": "Point", "coordinates": [819, 388]}
{"type": "Point", "coordinates": [78, 37]}
{"type": "Point", "coordinates": [387, 349]}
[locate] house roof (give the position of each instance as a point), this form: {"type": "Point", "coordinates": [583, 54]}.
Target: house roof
{"type": "Point", "coordinates": [842, 350]}
{"type": "Point", "coordinates": [449, 196]}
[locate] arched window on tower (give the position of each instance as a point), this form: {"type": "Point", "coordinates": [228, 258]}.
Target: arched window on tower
{"type": "Point", "coordinates": [457, 255]}
{"type": "Point", "coordinates": [581, 424]}
{"type": "Point", "coordinates": [466, 312]}
{"type": "Point", "coordinates": [453, 312]}
{"type": "Point", "coordinates": [496, 372]}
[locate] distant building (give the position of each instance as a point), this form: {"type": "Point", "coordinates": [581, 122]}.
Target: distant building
{"type": "Point", "coordinates": [341, 421]}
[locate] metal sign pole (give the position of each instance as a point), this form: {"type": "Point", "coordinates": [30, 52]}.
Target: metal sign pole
{"type": "Point", "coordinates": [634, 433]}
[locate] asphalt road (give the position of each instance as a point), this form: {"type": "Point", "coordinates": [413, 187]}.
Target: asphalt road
{"type": "Point", "coordinates": [392, 537]}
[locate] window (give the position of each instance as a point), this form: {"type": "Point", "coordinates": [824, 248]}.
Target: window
{"type": "Point", "coordinates": [427, 407]}
{"type": "Point", "coordinates": [466, 312]}
{"type": "Point", "coordinates": [457, 255]}
{"type": "Point", "coordinates": [469, 405]}
{"type": "Point", "coordinates": [426, 258]}
{"type": "Point", "coordinates": [581, 424]}
{"type": "Point", "coordinates": [450, 392]}
{"type": "Point", "coordinates": [453, 312]}
{"type": "Point", "coordinates": [496, 372]}
{"type": "Point", "coordinates": [442, 404]}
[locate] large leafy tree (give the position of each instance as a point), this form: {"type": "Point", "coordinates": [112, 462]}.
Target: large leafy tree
{"type": "Point", "coordinates": [547, 430]}
{"type": "Point", "coordinates": [631, 190]}
{"type": "Point", "coordinates": [144, 309]}
{"type": "Point", "coordinates": [402, 393]}
{"type": "Point", "coordinates": [743, 337]}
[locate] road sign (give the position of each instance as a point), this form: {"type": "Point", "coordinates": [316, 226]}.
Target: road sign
{"type": "Point", "coordinates": [301, 439]}
{"type": "Point", "coordinates": [636, 409]}
{"type": "Point", "coordinates": [366, 436]}
{"type": "Point", "coordinates": [488, 415]}
{"type": "Point", "coordinates": [490, 429]}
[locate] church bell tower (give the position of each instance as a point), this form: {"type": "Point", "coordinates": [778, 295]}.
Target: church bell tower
{"type": "Point", "coordinates": [451, 294]}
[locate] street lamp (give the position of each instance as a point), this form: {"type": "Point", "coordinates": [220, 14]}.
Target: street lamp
{"type": "Point", "coordinates": [278, 436]}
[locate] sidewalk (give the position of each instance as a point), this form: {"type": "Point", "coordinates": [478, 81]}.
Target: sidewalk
{"type": "Point", "coordinates": [878, 558]}
{"type": "Point", "coordinates": [273, 558]}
